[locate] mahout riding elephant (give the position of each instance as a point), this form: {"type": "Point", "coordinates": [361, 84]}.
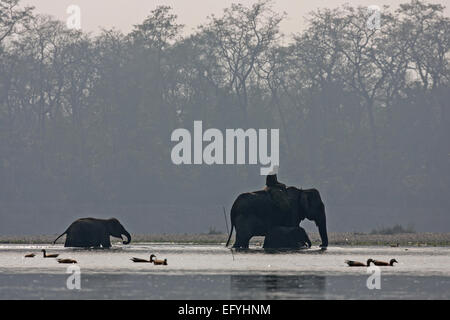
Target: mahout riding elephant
{"type": "Point", "coordinates": [92, 232]}
{"type": "Point", "coordinates": [278, 193]}
{"type": "Point", "coordinates": [255, 213]}
{"type": "Point", "coordinates": [286, 238]}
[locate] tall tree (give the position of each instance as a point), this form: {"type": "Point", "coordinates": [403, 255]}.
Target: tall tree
{"type": "Point", "coordinates": [240, 37]}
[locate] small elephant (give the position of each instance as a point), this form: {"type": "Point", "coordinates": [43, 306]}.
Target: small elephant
{"type": "Point", "coordinates": [286, 238]}
{"type": "Point", "coordinates": [92, 232]}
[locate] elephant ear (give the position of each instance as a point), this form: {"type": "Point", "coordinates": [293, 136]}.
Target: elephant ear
{"type": "Point", "coordinates": [304, 203]}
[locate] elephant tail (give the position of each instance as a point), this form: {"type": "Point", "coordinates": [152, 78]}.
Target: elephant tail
{"type": "Point", "coordinates": [59, 237]}
{"type": "Point", "coordinates": [231, 232]}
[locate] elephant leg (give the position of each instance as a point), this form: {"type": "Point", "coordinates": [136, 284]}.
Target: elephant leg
{"type": "Point", "coordinates": [106, 242]}
{"type": "Point", "coordinates": [246, 228]}
{"type": "Point", "coordinates": [268, 242]}
{"type": "Point", "coordinates": [242, 240]}
{"type": "Point", "coordinates": [73, 240]}
{"type": "Point", "coordinates": [94, 241]}
{"type": "Point", "coordinates": [81, 240]}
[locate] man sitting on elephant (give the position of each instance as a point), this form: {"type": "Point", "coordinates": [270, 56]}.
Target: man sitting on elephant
{"type": "Point", "coordinates": [278, 194]}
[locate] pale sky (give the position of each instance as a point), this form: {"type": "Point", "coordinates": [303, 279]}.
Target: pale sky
{"type": "Point", "coordinates": [123, 14]}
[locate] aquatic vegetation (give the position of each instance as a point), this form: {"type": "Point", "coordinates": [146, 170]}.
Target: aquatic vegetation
{"type": "Point", "coordinates": [335, 239]}
{"type": "Point", "coordinates": [397, 229]}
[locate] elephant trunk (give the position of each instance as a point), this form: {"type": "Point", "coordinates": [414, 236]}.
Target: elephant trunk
{"type": "Point", "coordinates": [323, 235]}
{"type": "Point", "coordinates": [127, 234]}
{"type": "Point", "coordinates": [322, 225]}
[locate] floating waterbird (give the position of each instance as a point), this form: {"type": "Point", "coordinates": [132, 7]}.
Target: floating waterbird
{"type": "Point", "coordinates": [160, 262]}
{"type": "Point", "coordinates": [67, 261]}
{"type": "Point", "coordinates": [152, 260]}
{"type": "Point", "coordinates": [357, 263]}
{"type": "Point", "coordinates": [143, 260]}
{"type": "Point", "coordinates": [383, 263]}
{"type": "Point", "coordinates": [30, 255]}
{"type": "Point", "coordinates": [49, 255]}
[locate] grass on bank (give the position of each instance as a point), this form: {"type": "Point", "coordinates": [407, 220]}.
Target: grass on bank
{"type": "Point", "coordinates": [335, 239]}
{"type": "Point", "coordinates": [396, 229]}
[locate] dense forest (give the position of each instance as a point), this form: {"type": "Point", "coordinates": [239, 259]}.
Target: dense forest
{"type": "Point", "coordinates": [363, 113]}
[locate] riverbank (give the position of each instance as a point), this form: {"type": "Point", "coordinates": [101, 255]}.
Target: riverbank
{"type": "Point", "coordinates": [339, 239]}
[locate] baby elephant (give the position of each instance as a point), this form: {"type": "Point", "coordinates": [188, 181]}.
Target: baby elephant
{"type": "Point", "coordinates": [286, 238]}
{"type": "Point", "coordinates": [92, 232]}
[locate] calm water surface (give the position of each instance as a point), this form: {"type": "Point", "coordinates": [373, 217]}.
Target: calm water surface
{"type": "Point", "coordinates": [213, 272]}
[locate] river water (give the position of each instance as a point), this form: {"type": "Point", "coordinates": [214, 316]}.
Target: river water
{"type": "Point", "coordinates": [214, 272]}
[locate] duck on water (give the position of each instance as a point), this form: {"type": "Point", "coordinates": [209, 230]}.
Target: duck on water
{"type": "Point", "coordinates": [49, 255]}
{"type": "Point", "coordinates": [384, 263]}
{"type": "Point", "coordinates": [352, 263]}
{"type": "Point", "coordinates": [152, 260]}
{"type": "Point", "coordinates": [68, 261]}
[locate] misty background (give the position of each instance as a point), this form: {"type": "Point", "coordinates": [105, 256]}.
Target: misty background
{"type": "Point", "coordinates": [124, 14]}
{"type": "Point", "coordinates": [86, 119]}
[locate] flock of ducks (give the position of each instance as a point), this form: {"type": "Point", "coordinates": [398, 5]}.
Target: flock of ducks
{"type": "Point", "coordinates": [157, 262]}
{"type": "Point", "coordinates": [45, 255]}
{"type": "Point", "coordinates": [352, 263]}
{"type": "Point", "coordinates": [152, 259]}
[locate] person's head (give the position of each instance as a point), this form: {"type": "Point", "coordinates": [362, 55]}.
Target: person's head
{"type": "Point", "coordinates": [271, 180]}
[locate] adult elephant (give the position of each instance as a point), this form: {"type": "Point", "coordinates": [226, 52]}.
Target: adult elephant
{"type": "Point", "coordinates": [92, 232]}
{"type": "Point", "coordinates": [254, 213]}
{"type": "Point", "coordinates": [286, 238]}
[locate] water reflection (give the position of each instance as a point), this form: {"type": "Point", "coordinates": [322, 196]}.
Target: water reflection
{"type": "Point", "coordinates": [220, 287]}
{"type": "Point", "coordinates": [277, 286]}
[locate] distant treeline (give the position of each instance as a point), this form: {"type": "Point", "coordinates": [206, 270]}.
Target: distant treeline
{"type": "Point", "coordinates": [364, 114]}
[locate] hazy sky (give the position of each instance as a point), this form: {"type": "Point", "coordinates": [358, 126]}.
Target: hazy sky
{"type": "Point", "coordinates": [123, 14]}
